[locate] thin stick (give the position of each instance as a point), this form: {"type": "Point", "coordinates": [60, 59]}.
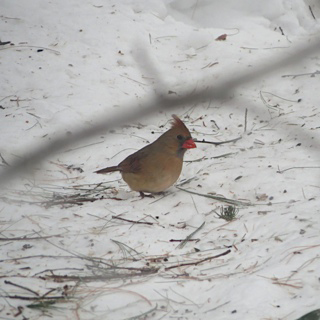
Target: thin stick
{"type": "Point", "coordinates": [183, 243]}
{"type": "Point", "coordinates": [224, 155]}
{"type": "Point", "coordinates": [274, 95]}
{"type": "Point", "coordinates": [282, 171]}
{"type": "Point", "coordinates": [51, 290]}
{"type": "Point", "coordinates": [218, 198]}
{"type": "Point", "coordinates": [3, 43]}
{"type": "Point", "coordinates": [178, 294]}
{"type": "Point", "coordinates": [215, 308]}
{"type": "Point", "coordinates": [198, 262]}
{"type": "Point", "coordinates": [219, 142]}
{"type": "Point", "coordinates": [4, 161]}
{"type": "Point", "coordinates": [52, 270]}
{"type": "Point", "coordinates": [24, 238]}
{"type": "Point", "coordinates": [287, 284]}
{"type": "Point", "coordinates": [34, 298]}
{"type": "Point", "coordinates": [142, 315]}
{"type": "Point", "coordinates": [245, 120]}
{"type": "Point", "coordinates": [77, 201]}
{"type": "Point", "coordinates": [21, 287]}
{"type": "Point", "coordinates": [312, 13]}
{"type": "Point", "coordinates": [265, 48]}
{"type": "Point", "coordinates": [180, 240]}
{"type": "Point", "coordinates": [195, 8]}
{"type": "Point", "coordinates": [125, 248]}
{"type": "Point", "coordinates": [132, 221]}
{"type": "Point", "coordinates": [312, 74]}
{"type": "Point", "coordinates": [43, 48]}
{"type": "Point", "coordinates": [111, 276]}
{"type": "Point", "coordinates": [85, 146]}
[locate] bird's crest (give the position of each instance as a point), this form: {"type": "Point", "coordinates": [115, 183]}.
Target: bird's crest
{"type": "Point", "coordinates": [179, 125]}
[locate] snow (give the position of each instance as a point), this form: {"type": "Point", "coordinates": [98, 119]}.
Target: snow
{"type": "Point", "coordinates": [97, 57]}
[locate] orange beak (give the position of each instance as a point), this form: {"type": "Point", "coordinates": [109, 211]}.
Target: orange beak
{"type": "Point", "coordinates": [189, 144]}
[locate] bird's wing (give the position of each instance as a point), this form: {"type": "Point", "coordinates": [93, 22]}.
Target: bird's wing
{"type": "Point", "coordinates": [132, 164]}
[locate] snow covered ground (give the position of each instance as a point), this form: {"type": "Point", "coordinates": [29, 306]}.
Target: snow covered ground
{"type": "Point", "coordinates": [70, 63]}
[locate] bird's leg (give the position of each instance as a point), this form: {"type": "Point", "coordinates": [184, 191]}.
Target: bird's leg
{"type": "Point", "coordinates": [142, 195]}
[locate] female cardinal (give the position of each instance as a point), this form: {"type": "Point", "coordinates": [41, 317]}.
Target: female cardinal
{"type": "Point", "coordinates": [158, 165]}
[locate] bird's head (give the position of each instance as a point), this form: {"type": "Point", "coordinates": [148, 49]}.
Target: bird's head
{"type": "Point", "coordinates": [178, 138]}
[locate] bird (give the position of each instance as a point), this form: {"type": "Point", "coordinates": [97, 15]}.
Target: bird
{"type": "Point", "coordinates": [157, 166]}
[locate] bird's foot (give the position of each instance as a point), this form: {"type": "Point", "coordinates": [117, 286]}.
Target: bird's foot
{"type": "Point", "coordinates": [142, 195]}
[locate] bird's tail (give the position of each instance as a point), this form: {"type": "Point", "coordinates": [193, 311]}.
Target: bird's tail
{"type": "Point", "coordinates": [108, 169]}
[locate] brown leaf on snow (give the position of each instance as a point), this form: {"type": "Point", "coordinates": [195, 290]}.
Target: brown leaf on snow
{"type": "Point", "coordinates": [262, 197]}
{"type": "Point", "coordinates": [223, 37]}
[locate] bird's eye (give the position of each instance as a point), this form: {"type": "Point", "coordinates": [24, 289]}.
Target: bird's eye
{"type": "Point", "coordinates": [179, 137]}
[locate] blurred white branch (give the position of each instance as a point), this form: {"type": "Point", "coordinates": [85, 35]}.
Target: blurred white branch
{"type": "Point", "coordinates": [154, 103]}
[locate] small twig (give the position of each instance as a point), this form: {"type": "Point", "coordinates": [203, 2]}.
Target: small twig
{"type": "Point", "coordinates": [298, 250]}
{"type": "Point", "coordinates": [41, 305]}
{"type": "Point", "coordinates": [42, 256]}
{"type": "Point", "coordinates": [165, 194]}
{"type": "Point", "coordinates": [210, 64]}
{"type": "Point", "coordinates": [266, 103]}
{"type": "Point", "coordinates": [180, 240]}
{"type": "Point", "coordinates": [37, 122]}
{"type": "Point", "coordinates": [142, 315]}
{"type": "Point", "coordinates": [20, 309]}
{"type": "Point", "coordinates": [245, 120]}
{"type": "Point", "coordinates": [219, 306]}
{"type": "Point", "coordinates": [312, 74]}
{"type": "Point", "coordinates": [167, 299]}
{"type": "Point", "coordinates": [48, 292]}
{"type": "Point", "coordinates": [196, 160]}
{"type": "Point", "coordinates": [287, 284]}
{"type": "Point", "coordinates": [282, 171]}
{"type": "Point", "coordinates": [219, 142]}
{"type": "Point", "coordinates": [132, 221]}
{"type": "Point", "coordinates": [224, 155]}
{"type": "Point", "coordinates": [10, 18]}
{"type": "Point", "coordinates": [58, 269]}
{"type": "Point", "coordinates": [21, 287]}
{"type": "Point", "coordinates": [144, 84]}
{"type": "Point", "coordinates": [3, 43]}
{"type": "Point", "coordinates": [145, 270]}
{"type": "Point", "coordinates": [85, 146]}
{"type": "Point", "coordinates": [186, 181]}
{"type": "Point", "coordinates": [304, 265]}
{"type": "Point", "coordinates": [312, 13]}
{"type": "Point", "coordinates": [194, 9]}
{"type": "Point", "coordinates": [24, 238]}
{"type": "Point", "coordinates": [111, 276]}
{"type": "Point", "coordinates": [77, 201]}
{"type": "Point", "coordinates": [43, 48]}
{"type": "Point", "coordinates": [266, 48]}
{"type": "Point", "coordinates": [3, 160]}
{"type": "Point", "coordinates": [198, 262]}
{"type": "Point", "coordinates": [183, 243]}
{"type": "Point", "coordinates": [34, 298]}
{"type": "Point", "coordinates": [125, 248]}
{"type": "Point", "coordinates": [78, 255]}
{"type": "Point", "coordinates": [180, 295]}
{"type": "Point", "coordinates": [218, 198]}
{"type": "Point", "coordinates": [274, 95]}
